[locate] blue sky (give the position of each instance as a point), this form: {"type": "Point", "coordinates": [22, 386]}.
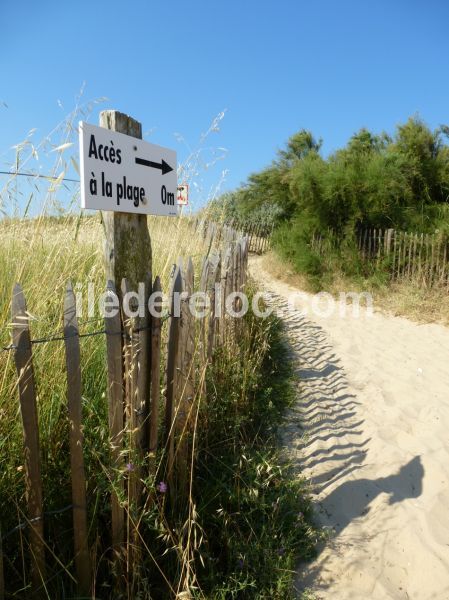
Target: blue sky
{"type": "Point", "coordinates": [276, 67]}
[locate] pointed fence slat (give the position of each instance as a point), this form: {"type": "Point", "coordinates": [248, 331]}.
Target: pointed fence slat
{"type": "Point", "coordinates": [226, 290]}
{"type": "Point", "coordinates": [214, 289]}
{"type": "Point", "coordinates": [186, 387]}
{"type": "Point", "coordinates": [74, 402]}
{"type": "Point", "coordinates": [156, 324]}
{"type": "Point", "coordinates": [133, 428]}
{"type": "Point", "coordinates": [172, 373]}
{"type": "Point", "coordinates": [203, 287]}
{"type": "Point", "coordinates": [114, 341]}
{"type": "Point", "coordinates": [189, 354]}
{"type": "Point", "coordinates": [23, 358]}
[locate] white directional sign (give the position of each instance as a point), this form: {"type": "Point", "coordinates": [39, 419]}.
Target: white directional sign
{"type": "Point", "coordinates": [126, 174]}
{"type": "Point", "coordinates": [183, 194]}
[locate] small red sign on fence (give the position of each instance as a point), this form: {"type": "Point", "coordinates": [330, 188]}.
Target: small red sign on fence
{"type": "Point", "coordinates": [183, 194]}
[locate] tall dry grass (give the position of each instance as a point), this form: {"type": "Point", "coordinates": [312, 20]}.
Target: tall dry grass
{"type": "Point", "coordinates": [227, 541]}
{"type": "Point", "coordinates": [43, 255]}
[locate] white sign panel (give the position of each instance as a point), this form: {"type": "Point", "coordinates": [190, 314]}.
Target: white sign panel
{"type": "Point", "coordinates": [125, 174]}
{"type": "Point", "coordinates": [183, 194]}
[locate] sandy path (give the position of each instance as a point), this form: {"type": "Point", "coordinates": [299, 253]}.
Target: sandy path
{"type": "Point", "coordinates": [371, 431]}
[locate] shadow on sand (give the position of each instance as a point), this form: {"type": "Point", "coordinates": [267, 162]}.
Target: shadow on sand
{"type": "Point", "coordinates": [326, 441]}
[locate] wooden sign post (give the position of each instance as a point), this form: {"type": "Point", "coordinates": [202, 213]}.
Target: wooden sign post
{"type": "Point", "coordinates": [128, 256]}
{"type": "Point", "coordinates": [127, 179]}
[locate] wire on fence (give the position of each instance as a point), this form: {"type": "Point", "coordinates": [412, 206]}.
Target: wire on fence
{"type": "Point", "coordinates": [47, 513]}
{"type": "Point", "coordinates": [61, 338]}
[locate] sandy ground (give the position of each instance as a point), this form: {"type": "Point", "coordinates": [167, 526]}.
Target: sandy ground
{"type": "Point", "coordinates": [371, 432]}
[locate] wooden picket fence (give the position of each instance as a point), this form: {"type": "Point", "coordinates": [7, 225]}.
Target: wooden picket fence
{"type": "Point", "coordinates": [418, 257]}
{"type": "Point", "coordinates": [257, 233]}
{"type": "Point", "coordinates": [139, 430]}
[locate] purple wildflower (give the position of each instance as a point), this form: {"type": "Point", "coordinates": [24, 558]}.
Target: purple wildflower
{"type": "Point", "coordinates": [162, 487]}
{"type": "Point", "coordinates": [130, 467]}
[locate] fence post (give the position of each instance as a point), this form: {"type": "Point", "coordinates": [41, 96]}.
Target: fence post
{"type": "Point", "coordinates": [172, 374]}
{"type": "Point", "coordinates": [395, 243]}
{"type": "Point", "coordinates": [205, 273]}
{"type": "Point", "coordinates": [115, 410]}
{"type": "Point", "coordinates": [189, 350]}
{"type": "Point", "coordinates": [443, 266]}
{"type": "Point", "coordinates": [135, 431]}
{"type": "Point", "coordinates": [23, 358]}
{"type": "Point", "coordinates": [128, 256]}
{"type": "Point", "coordinates": [155, 379]}
{"type": "Point", "coordinates": [73, 366]}
{"type": "Point", "coordinates": [213, 318]}
{"type": "Point", "coordinates": [226, 289]}
{"type": "Point", "coordinates": [186, 386]}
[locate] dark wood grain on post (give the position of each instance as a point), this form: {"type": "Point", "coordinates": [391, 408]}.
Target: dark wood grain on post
{"type": "Point", "coordinates": [114, 340]}
{"type": "Point", "coordinates": [74, 399]}
{"type": "Point", "coordinates": [23, 358]}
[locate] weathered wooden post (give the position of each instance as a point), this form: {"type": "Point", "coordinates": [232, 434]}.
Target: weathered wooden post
{"type": "Point", "coordinates": [213, 289]}
{"type": "Point", "coordinates": [174, 326]}
{"type": "Point", "coordinates": [128, 258]}
{"type": "Point", "coordinates": [156, 324]}
{"type": "Point", "coordinates": [115, 404]}
{"type": "Point", "coordinates": [128, 254]}
{"type": "Point", "coordinates": [74, 399]}
{"type": "Point", "coordinates": [186, 386]}
{"type": "Point", "coordinates": [23, 357]}
{"type": "Point", "coordinates": [127, 179]}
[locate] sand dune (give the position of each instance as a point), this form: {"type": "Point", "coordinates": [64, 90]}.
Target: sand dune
{"type": "Point", "coordinates": [371, 431]}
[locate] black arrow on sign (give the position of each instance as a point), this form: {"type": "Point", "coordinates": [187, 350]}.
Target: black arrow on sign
{"type": "Point", "coordinates": [163, 166]}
